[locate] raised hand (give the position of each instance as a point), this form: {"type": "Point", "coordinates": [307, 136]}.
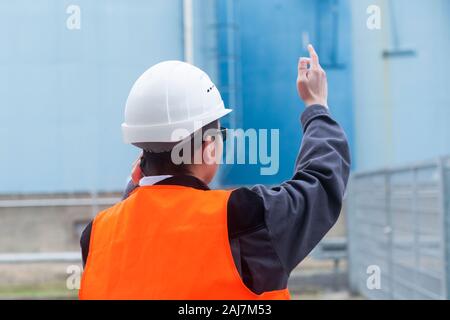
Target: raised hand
{"type": "Point", "coordinates": [312, 83]}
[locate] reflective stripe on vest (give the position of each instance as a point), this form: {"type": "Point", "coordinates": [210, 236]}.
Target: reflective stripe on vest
{"type": "Point", "coordinates": [165, 242]}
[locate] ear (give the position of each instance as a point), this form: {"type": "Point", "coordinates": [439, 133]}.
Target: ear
{"type": "Point", "coordinates": [209, 151]}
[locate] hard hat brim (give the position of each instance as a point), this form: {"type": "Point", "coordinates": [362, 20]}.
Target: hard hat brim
{"type": "Point", "coordinates": [173, 132]}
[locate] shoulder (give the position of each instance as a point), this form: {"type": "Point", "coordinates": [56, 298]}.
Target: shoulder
{"type": "Point", "coordinates": [245, 212]}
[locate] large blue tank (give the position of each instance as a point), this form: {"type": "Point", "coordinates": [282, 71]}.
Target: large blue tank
{"type": "Point", "coordinates": [262, 41]}
{"type": "Point", "coordinates": [401, 87]}
{"type": "Point", "coordinates": [63, 91]}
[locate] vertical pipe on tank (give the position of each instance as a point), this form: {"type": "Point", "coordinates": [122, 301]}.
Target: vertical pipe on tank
{"type": "Point", "coordinates": [228, 56]}
{"type": "Point", "coordinates": [335, 26]}
{"type": "Point", "coordinates": [229, 80]}
{"type": "Point", "coordinates": [393, 26]}
{"type": "Point", "coordinates": [387, 85]}
{"type": "Point", "coordinates": [188, 28]}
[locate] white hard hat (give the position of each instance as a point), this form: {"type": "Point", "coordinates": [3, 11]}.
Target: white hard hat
{"type": "Point", "coordinates": [169, 96]}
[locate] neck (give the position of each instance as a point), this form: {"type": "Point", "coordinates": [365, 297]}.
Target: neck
{"type": "Point", "coordinates": [196, 172]}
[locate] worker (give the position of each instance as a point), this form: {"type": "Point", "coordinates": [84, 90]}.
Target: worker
{"type": "Point", "coordinates": [174, 238]}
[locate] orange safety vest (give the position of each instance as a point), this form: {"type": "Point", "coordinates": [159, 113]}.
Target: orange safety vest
{"type": "Point", "coordinates": [165, 242]}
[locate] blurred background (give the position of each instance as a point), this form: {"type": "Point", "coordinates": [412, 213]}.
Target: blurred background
{"type": "Point", "coordinates": [66, 68]}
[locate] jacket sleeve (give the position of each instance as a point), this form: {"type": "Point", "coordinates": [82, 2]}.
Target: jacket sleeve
{"type": "Point", "coordinates": [299, 212]}
{"type": "Point", "coordinates": [86, 234]}
{"type": "Point", "coordinates": [84, 242]}
{"type": "Point", "coordinates": [129, 189]}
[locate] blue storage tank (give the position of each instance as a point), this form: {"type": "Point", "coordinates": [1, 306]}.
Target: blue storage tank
{"type": "Point", "coordinates": [261, 41]}
{"type": "Point", "coordinates": [63, 91]}
{"type": "Point", "coordinates": [401, 87]}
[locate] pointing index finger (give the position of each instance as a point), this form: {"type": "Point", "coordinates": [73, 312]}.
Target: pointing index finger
{"type": "Point", "coordinates": [314, 57]}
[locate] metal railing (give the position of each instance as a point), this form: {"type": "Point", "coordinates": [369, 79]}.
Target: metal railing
{"type": "Point", "coordinates": [93, 201]}
{"type": "Point", "coordinates": [58, 202]}
{"type": "Point", "coordinates": [398, 222]}
{"type": "Point", "coordinates": [40, 257]}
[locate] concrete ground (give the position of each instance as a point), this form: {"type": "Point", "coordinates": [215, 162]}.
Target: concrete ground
{"type": "Point", "coordinates": [312, 280]}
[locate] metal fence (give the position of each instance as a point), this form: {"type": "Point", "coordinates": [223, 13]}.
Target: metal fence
{"type": "Point", "coordinates": [398, 224]}
{"type": "Point", "coordinates": [36, 257]}
{"type": "Point", "coordinates": [47, 228]}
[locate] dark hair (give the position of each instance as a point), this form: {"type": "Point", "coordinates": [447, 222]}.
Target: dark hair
{"type": "Point", "coordinates": [160, 163]}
